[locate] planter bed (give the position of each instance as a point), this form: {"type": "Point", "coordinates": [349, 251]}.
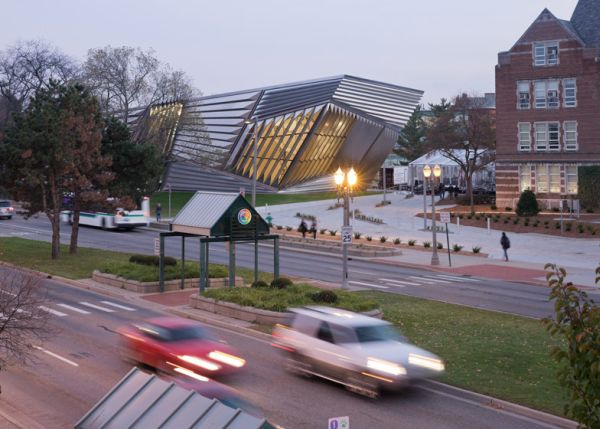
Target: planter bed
{"type": "Point", "coordinates": [153, 287]}
{"type": "Point", "coordinates": [249, 314]}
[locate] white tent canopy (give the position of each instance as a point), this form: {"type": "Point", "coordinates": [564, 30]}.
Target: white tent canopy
{"type": "Point", "coordinates": [451, 172]}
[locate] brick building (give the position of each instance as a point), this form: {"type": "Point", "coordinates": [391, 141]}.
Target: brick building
{"type": "Point", "coordinates": [548, 107]}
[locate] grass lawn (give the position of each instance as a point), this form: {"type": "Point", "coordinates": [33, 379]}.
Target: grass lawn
{"type": "Point", "coordinates": [497, 354]}
{"type": "Point", "coordinates": [178, 199]}
{"type": "Point", "coordinates": [297, 295]}
{"type": "Point", "coordinates": [36, 255]}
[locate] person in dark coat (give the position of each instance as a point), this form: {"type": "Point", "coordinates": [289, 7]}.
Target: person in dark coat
{"type": "Point", "coordinates": [303, 228]}
{"type": "Point", "coordinates": [505, 243]}
{"type": "Point", "coordinates": [158, 210]}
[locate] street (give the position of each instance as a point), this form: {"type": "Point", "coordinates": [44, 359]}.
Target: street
{"type": "Point", "coordinates": [81, 363]}
{"type": "Point", "coordinates": [498, 295]}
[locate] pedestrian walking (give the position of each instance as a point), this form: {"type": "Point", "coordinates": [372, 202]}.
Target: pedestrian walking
{"type": "Point", "coordinates": [505, 243]}
{"type": "Point", "coordinates": [303, 228]}
{"type": "Point", "coordinates": [313, 229]}
{"type": "Point", "coordinates": [158, 210]}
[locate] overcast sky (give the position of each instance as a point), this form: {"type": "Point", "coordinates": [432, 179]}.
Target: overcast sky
{"type": "Point", "coordinates": [441, 47]}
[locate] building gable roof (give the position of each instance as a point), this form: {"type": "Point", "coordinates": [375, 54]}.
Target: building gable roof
{"type": "Point", "coordinates": [586, 20]}
{"type": "Point", "coordinates": [563, 29]}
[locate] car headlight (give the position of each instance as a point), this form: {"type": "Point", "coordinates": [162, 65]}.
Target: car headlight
{"type": "Point", "coordinates": [426, 362]}
{"type": "Point", "coordinates": [202, 363]}
{"type": "Point", "coordinates": [226, 358]}
{"type": "Point", "coordinates": [385, 366]}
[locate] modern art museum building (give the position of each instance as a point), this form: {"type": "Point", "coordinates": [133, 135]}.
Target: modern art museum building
{"type": "Point", "coordinates": [304, 130]}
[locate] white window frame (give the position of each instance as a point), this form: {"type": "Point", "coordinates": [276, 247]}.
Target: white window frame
{"type": "Point", "coordinates": [545, 144]}
{"type": "Point", "coordinates": [556, 182]}
{"type": "Point", "coordinates": [541, 145]}
{"type": "Point", "coordinates": [541, 53]}
{"type": "Point", "coordinates": [523, 103]}
{"type": "Point", "coordinates": [524, 143]}
{"type": "Point", "coordinates": [570, 137]}
{"type": "Point", "coordinates": [546, 94]}
{"type": "Point", "coordinates": [539, 94]}
{"type": "Point", "coordinates": [524, 173]}
{"type": "Point", "coordinates": [569, 100]}
{"type": "Point", "coordinates": [574, 179]}
{"type": "Point", "coordinates": [554, 144]}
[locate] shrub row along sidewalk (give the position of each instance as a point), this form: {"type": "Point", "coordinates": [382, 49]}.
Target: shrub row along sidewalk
{"type": "Point", "coordinates": [497, 354]}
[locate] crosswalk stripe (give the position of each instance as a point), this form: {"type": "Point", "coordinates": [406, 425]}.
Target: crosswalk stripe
{"type": "Point", "coordinates": [51, 311]}
{"type": "Point", "coordinates": [78, 310]}
{"type": "Point", "coordinates": [403, 282]}
{"type": "Point", "coordinates": [97, 307]}
{"type": "Point", "coordinates": [463, 279]}
{"type": "Point", "coordinates": [428, 280]}
{"type": "Point", "coordinates": [368, 284]}
{"type": "Point", "coordinates": [114, 304]}
{"type": "Point", "coordinates": [434, 279]}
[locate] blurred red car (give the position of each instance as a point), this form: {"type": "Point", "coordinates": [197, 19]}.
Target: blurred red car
{"type": "Point", "coordinates": [164, 343]}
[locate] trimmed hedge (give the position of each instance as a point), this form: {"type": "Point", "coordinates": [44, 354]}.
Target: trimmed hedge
{"type": "Point", "coordinates": [281, 283]}
{"type": "Point", "coordinates": [588, 185]}
{"type": "Point", "coordinates": [328, 296]}
{"type": "Point", "coordinates": [151, 260]}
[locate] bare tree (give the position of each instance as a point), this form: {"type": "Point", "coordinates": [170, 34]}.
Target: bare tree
{"type": "Point", "coordinates": [466, 134]}
{"type": "Point", "coordinates": [23, 322]}
{"type": "Point", "coordinates": [27, 67]}
{"type": "Point", "coordinates": [126, 77]}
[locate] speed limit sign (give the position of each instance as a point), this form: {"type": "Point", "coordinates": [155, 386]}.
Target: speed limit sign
{"type": "Point", "coordinates": [346, 235]}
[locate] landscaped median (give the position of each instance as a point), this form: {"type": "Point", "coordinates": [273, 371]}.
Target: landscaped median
{"type": "Point", "coordinates": [498, 354]}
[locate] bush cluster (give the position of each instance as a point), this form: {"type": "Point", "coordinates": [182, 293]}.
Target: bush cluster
{"type": "Point", "coordinates": [527, 205]}
{"type": "Point", "coordinates": [327, 296]}
{"type": "Point", "coordinates": [151, 260]}
{"type": "Point", "coordinates": [281, 283]}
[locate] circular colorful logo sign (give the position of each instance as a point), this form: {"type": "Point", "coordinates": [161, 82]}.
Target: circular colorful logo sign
{"type": "Point", "coordinates": [244, 216]}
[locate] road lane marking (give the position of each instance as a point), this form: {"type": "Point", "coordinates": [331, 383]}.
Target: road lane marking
{"type": "Point", "coordinates": [434, 279]}
{"type": "Point", "coordinates": [368, 284]}
{"type": "Point", "coordinates": [54, 355]}
{"type": "Point", "coordinates": [78, 310]}
{"type": "Point", "coordinates": [114, 304]}
{"type": "Point", "coordinates": [403, 282]}
{"type": "Point", "coordinates": [464, 279]}
{"type": "Point", "coordinates": [97, 307]}
{"type": "Point", "coordinates": [427, 280]}
{"type": "Point", "coordinates": [51, 311]}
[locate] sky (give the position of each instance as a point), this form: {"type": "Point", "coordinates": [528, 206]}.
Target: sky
{"type": "Point", "coordinates": [441, 47]}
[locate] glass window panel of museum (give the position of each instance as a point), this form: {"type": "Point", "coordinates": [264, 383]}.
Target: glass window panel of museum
{"type": "Point", "coordinates": [545, 54]}
{"type": "Point", "coordinates": [547, 178]}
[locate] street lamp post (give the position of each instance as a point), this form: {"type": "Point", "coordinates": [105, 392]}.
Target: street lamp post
{"type": "Point", "coordinates": [345, 183]}
{"type": "Point", "coordinates": [437, 171]}
{"type": "Point", "coordinates": [254, 156]}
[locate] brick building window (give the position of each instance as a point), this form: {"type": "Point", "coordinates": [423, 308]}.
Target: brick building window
{"type": "Point", "coordinates": [524, 136]}
{"type": "Point", "coordinates": [571, 179]}
{"type": "Point", "coordinates": [546, 94]}
{"type": "Point", "coordinates": [524, 177]}
{"type": "Point", "coordinates": [570, 135]}
{"type": "Point", "coordinates": [523, 96]}
{"type": "Point", "coordinates": [541, 178]}
{"type": "Point", "coordinates": [545, 53]}
{"type": "Point", "coordinates": [570, 92]}
{"type": "Point", "coordinates": [547, 136]}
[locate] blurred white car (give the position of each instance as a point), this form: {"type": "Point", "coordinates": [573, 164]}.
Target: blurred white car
{"type": "Point", "coordinates": [6, 209]}
{"type": "Point", "coordinates": [363, 353]}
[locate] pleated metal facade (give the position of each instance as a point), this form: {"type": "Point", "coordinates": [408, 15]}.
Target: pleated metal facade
{"type": "Point", "coordinates": [304, 132]}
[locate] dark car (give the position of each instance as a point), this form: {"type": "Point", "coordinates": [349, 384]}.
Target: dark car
{"type": "Point", "coordinates": [6, 209]}
{"type": "Point", "coordinates": [167, 342]}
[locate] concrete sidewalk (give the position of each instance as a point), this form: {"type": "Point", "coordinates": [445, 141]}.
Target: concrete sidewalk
{"type": "Point", "coordinates": [530, 251]}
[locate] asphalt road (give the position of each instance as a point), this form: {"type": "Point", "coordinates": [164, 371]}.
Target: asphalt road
{"type": "Point", "coordinates": [81, 363]}
{"type": "Point", "coordinates": [498, 295]}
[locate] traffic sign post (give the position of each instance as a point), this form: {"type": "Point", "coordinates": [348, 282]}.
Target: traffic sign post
{"type": "Point", "coordinates": [445, 218]}
{"type": "Point", "coordinates": [157, 247]}
{"type": "Point", "coordinates": [346, 235]}
{"type": "Point", "coordinates": [339, 423]}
